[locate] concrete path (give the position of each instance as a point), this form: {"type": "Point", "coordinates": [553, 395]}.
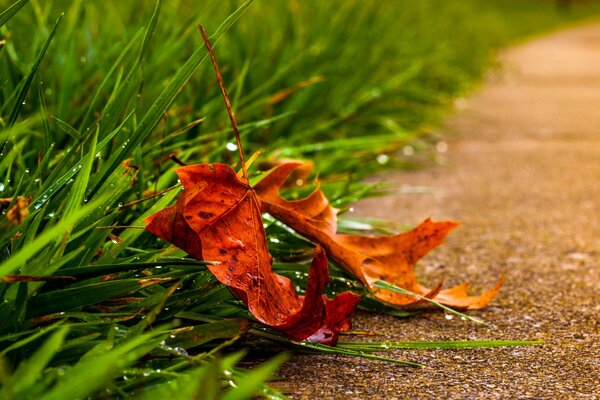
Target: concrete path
{"type": "Point", "coordinates": [523, 175]}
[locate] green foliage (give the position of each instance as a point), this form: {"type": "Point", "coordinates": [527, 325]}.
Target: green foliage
{"type": "Point", "coordinates": [95, 97]}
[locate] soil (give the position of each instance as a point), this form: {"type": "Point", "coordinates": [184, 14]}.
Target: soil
{"type": "Point", "coordinates": [522, 173]}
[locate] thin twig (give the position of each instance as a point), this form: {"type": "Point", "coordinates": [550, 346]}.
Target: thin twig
{"type": "Point", "coordinates": [134, 202]}
{"type": "Point", "coordinates": [176, 160]}
{"type": "Point", "coordinates": [121, 227]}
{"type": "Point", "coordinates": [226, 98]}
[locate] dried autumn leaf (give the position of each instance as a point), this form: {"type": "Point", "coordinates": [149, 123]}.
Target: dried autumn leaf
{"type": "Point", "coordinates": [368, 258]}
{"type": "Point", "coordinates": [19, 211]}
{"type": "Point", "coordinates": [219, 218]}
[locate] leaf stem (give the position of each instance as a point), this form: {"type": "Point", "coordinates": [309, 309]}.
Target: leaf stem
{"type": "Point", "coordinates": [176, 160]}
{"type": "Point", "coordinates": [226, 99]}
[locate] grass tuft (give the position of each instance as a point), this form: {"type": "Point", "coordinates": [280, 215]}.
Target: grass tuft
{"type": "Point", "coordinates": [99, 99]}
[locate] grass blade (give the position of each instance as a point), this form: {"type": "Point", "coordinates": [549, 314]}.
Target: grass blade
{"type": "Point", "coordinates": [71, 298]}
{"type": "Point", "coordinates": [164, 100]}
{"type": "Point", "coordinates": [394, 288]}
{"type": "Point", "coordinates": [150, 31]}
{"type": "Point", "coordinates": [253, 380]}
{"type": "Point", "coordinates": [7, 14]}
{"type": "Point", "coordinates": [31, 249]}
{"type": "Point", "coordinates": [14, 114]}
{"type": "Point", "coordinates": [29, 371]}
{"type": "Point", "coordinates": [77, 193]}
{"type": "Point", "coordinates": [93, 373]}
{"type": "Point", "coordinates": [59, 183]}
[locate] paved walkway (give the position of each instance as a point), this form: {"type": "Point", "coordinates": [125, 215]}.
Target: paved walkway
{"type": "Point", "coordinates": [523, 175]}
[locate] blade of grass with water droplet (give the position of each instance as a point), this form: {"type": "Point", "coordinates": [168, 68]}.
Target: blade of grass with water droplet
{"type": "Point", "coordinates": [149, 31]}
{"type": "Point", "coordinates": [28, 251]}
{"type": "Point", "coordinates": [77, 193]}
{"type": "Point", "coordinates": [252, 380]}
{"type": "Point", "coordinates": [94, 372]}
{"type": "Point", "coordinates": [394, 288]}
{"type": "Point", "coordinates": [52, 188]}
{"type": "Point", "coordinates": [29, 371]}
{"type": "Point", "coordinates": [79, 296]}
{"type": "Point", "coordinates": [20, 99]}
{"type": "Point", "coordinates": [164, 100]}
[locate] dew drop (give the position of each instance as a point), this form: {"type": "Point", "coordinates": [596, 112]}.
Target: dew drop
{"type": "Point", "coordinates": [441, 147]}
{"type": "Point", "coordinates": [408, 150]}
{"type": "Point", "coordinates": [375, 92]}
{"type": "Point", "coordinates": [181, 351]}
{"type": "Point", "coordinates": [231, 146]}
{"type": "Point", "coordinates": [383, 159]}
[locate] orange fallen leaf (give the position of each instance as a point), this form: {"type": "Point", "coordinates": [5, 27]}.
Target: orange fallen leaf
{"type": "Point", "coordinates": [368, 258]}
{"type": "Point", "coordinates": [219, 218]}
{"type": "Point", "coordinates": [19, 211]}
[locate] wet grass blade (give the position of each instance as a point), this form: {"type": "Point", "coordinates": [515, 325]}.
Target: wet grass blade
{"type": "Point", "coordinates": [306, 346]}
{"type": "Point", "coordinates": [94, 372]}
{"type": "Point", "coordinates": [194, 336]}
{"type": "Point", "coordinates": [101, 269]}
{"type": "Point", "coordinates": [77, 194]}
{"type": "Point", "coordinates": [354, 353]}
{"type": "Point", "coordinates": [53, 188]}
{"type": "Point", "coordinates": [252, 380]}
{"type": "Point", "coordinates": [164, 100]}
{"type": "Point", "coordinates": [113, 68]}
{"type": "Point", "coordinates": [30, 370]}
{"type": "Point", "coordinates": [150, 31]}
{"type": "Point", "coordinates": [20, 99]}
{"type": "Point", "coordinates": [25, 337]}
{"type": "Point", "coordinates": [71, 298]}
{"type": "Point", "coordinates": [28, 251]}
{"type": "Point", "coordinates": [394, 288]}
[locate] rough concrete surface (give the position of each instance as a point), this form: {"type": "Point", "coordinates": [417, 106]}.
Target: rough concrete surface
{"type": "Point", "coordinates": [523, 175]}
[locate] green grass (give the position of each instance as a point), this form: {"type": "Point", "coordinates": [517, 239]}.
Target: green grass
{"type": "Point", "coordinates": [95, 97]}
